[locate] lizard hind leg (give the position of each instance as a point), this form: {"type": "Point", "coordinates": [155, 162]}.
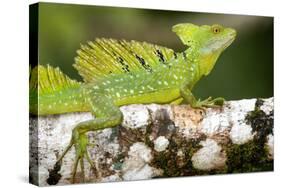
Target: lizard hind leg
{"type": "Point", "coordinates": [107, 115]}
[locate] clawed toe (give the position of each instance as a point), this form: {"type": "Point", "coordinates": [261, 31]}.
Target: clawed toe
{"type": "Point", "coordinates": [209, 103]}
{"type": "Point", "coordinates": [80, 142]}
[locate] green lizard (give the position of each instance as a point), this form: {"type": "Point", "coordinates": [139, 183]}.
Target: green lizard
{"type": "Point", "coordinates": [117, 72]}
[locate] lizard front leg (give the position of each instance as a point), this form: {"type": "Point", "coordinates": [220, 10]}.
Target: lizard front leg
{"type": "Point", "coordinates": [190, 99]}
{"type": "Point", "coordinates": [107, 115]}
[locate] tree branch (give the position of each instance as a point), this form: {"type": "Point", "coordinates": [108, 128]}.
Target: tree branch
{"type": "Point", "coordinates": [159, 141]}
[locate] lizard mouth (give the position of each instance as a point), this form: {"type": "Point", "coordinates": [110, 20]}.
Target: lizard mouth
{"type": "Point", "coordinates": [219, 45]}
{"type": "Point", "coordinates": [232, 36]}
{"type": "Point", "coordinates": [229, 42]}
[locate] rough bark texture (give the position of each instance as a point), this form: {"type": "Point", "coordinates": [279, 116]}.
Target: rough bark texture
{"type": "Point", "coordinates": [159, 141]}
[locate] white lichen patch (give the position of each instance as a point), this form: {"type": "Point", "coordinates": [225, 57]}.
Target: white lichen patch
{"type": "Point", "coordinates": [112, 178]}
{"type": "Point", "coordinates": [136, 170]}
{"type": "Point", "coordinates": [238, 110]}
{"type": "Point", "coordinates": [141, 151]}
{"type": "Point", "coordinates": [245, 105]}
{"type": "Point", "coordinates": [106, 142]}
{"type": "Point", "coordinates": [209, 157]}
{"type": "Point", "coordinates": [135, 173]}
{"type": "Point", "coordinates": [267, 105]}
{"type": "Point", "coordinates": [214, 123]}
{"type": "Point", "coordinates": [135, 116]}
{"type": "Point", "coordinates": [241, 133]}
{"type": "Point", "coordinates": [233, 114]}
{"type": "Point", "coordinates": [54, 134]}
{"type": "Point", "coordinates": [270, 146]}
{"type": "Point", "coordinates": [50, 137]}
{"type": "Point", "coordinates": [161, 143]}
{"type": "Point", "coordinates": [135, 166]}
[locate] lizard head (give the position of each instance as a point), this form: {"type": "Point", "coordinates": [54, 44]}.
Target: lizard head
{"type": "Point", "coordinates": [206, 41]}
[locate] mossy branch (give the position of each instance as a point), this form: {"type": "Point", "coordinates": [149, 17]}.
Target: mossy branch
{"type": "Point", "coordinates": [159, 141]}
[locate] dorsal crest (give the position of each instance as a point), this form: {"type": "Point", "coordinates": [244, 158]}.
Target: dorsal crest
{"type": "Point", "coordinates": [45, 80]}
{"type": "Point", "coordinates": [185, 32]}
{"type": "Point", "coordinates": [103, 57]}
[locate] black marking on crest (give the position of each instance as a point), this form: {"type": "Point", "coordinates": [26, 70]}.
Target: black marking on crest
{"type": "Point", "coordinates": [143, 63]}
{"type": "Point", "coordinates": [120, 60]}
{"type": "Point", "coordinates": [160, 55]}
{"type": "Point", "coordinates": [114, 54]}
{"type": "Point", "coordinates": [175, 55]}
{"type": "Point", "coordinates": [125, 67]}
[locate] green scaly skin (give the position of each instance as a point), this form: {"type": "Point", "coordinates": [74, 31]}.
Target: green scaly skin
{"type": "Point", "coordinates": [168, 83]}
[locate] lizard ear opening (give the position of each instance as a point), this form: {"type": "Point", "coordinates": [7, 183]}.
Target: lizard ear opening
{"type": "Point", "coordinates": [185, 32]}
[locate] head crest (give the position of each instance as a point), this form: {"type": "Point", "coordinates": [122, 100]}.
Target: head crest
{"type": "Point", "coordinates": [185, 32]}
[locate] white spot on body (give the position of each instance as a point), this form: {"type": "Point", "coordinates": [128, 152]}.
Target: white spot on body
{"type": "Point", "coordinates": [149, 87]}
{"type": "Point", "coordinates": [175, 76]}
{"type": "Point", "coordinates": [131, 91]}
{"type": "Point", "coordinates": [118, 94]}
{"type": "Point", "coordinates": [166, 83]}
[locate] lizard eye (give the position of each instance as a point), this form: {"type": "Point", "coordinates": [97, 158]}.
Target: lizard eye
{"type": "Point", "coordinates": [216, 29]}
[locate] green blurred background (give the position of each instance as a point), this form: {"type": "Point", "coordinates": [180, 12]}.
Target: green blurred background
{"type": "Point", "coordinates": [245, 69]}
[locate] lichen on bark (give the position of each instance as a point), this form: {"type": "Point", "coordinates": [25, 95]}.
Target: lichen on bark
{"type": "Point", "coordinates": [156, 141]}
